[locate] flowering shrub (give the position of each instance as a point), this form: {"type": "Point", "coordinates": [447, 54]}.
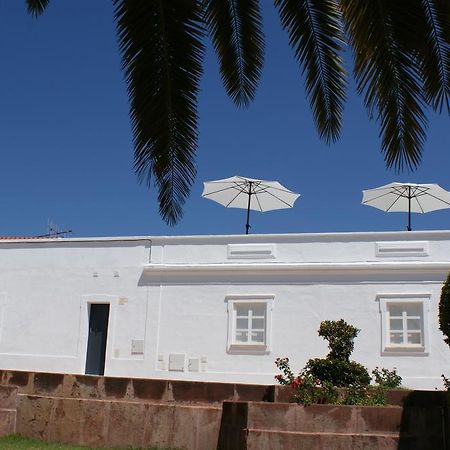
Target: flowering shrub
{"type": "Point", "coordinates": [307, 388]}
{"type": "Point", "coordinates": [387, 378]}
{"type": "Point", "coordinates": [319, 380]}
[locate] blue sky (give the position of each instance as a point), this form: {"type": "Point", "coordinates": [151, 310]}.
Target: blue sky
{"type": "Point", "coordinates": [67, 152]}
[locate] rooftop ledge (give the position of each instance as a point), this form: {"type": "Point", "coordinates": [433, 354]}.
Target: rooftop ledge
{"type": "Point", "coordinates": [341, 236]}
{"type": "Point", "coordinates": [375, 266]}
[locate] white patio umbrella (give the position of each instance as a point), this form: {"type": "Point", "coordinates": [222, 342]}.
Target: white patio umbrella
{"type": "Point", "coordinates": [407, 197]}
{"type": "Point", "coordinates": [249, 193]}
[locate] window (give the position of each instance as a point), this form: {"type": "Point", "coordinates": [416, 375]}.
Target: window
{"type": "Point", "coordinates": [404, 323]}
{"type": "Point", "coordinates": [249, 319]}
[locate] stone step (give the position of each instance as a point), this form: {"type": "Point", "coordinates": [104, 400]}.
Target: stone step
{"type": "Point", "coordinates": [263, 439]}
{"type": "Point", "coordinates": [132, 389]}
{"type": "Point", "coordinates": [118, 424]}
{"type": "Point", "coordinates": [349, 419]}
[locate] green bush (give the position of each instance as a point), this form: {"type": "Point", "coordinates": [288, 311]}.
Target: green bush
{"type": "Point", "coordinates": [386, 378]}
{"type": "Point", "coordinates": [337, 368]}
{"type": "Point", "coordinates": [444, 311]}
{"type": "Point", "coordinates": [339, 373]}
{"type": "Point", "coordinates": [340, 336]}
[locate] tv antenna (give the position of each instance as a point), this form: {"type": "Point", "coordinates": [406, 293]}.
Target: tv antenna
{"type": "Point", "coordinates": [54, 231]}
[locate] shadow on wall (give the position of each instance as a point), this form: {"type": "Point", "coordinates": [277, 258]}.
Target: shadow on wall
{"type": "Point", "coordinates": [425, 422]}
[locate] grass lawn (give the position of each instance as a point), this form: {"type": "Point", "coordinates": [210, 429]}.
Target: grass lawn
{"type": "Point", "coordinates": [18, 442]}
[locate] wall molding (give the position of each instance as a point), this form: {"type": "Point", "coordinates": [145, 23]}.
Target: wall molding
{"type": "Point", "coordinates": [277, 268]}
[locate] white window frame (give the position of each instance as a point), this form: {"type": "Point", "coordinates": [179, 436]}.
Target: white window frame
{"type": "Point", "coordinates": [234, 346]}
{"type": "Point", "coordinates": [388, 349]}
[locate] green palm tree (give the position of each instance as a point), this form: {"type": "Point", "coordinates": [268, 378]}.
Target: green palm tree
{"type": "Point", "coordinates": [401, 53]}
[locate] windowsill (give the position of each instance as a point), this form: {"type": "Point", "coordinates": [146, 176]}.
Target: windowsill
{"type": "Point", "coordinates": [248, 349]}
{"type": "Point", "coordinates": [404, 350]}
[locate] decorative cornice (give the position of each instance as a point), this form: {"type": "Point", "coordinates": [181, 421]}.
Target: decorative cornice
{"type": "Point", "coordinates": [309, 267]}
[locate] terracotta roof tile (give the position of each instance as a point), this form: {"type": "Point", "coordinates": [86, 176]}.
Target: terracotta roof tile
{"type": "Point", "coordinates": [16, 238]}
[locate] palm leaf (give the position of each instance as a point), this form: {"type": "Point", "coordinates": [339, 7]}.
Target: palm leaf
{"type": "Point", "coordinates": [161, 48]}
{"type": "Point", "coordinates": [388, 75]}
{"type": "Point", "coordinates": [235, 27]}
{"type": "Point", "coordinates": [434, 52]}
{"type": "Point", "coordinates": [316, 35]}
{"type": "Point", "coordinates": [37, 7]}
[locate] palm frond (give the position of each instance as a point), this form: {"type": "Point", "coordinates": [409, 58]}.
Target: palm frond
{"type": "Point", "coordinates": [316, 35]}
{"type": "Point", "coordinates": [434, 52]}
{"type": "Point", "coordinates": [235, 27]}
{"type": "Point", "coordinates": [388, 75]}
{"type": "Point", "coordinates": [161, 47]}
{"type": "Point", "coordinates": [36, 7]}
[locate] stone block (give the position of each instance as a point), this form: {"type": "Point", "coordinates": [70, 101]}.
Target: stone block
{"type": "Point", "coordinates": [149, 389]}
{"type": "Point", "coordinates": [276, 440]}
{"type": "Point", "coordinates": [8, 397]}
{"type": "Point", "coordinates": [158, 425]}
{"type": "Point", "coordinates": [48, 383]}
{"type": "Point", "coordinates": [198, 392]}
{"type": "Point", "coordinates": [116, 388]}
{"type": "Point", "coordinates": [85, 386]}
{"type": "Point", "coordinates": [7, 421]}
{"type": "Point", "coordinates": [33, 416]}
{"type": "Point", "coordinates": [254, 393]}
{"type": "Point", "coordinates": [19, 378]}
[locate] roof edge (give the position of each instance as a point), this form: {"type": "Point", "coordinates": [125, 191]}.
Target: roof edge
{"type": "Point", "coordinates": [347, 236]}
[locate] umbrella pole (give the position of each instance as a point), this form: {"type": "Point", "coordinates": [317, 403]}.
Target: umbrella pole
{"type": "Point", "coordinates": [247, 225]}
{"type": "Point", "coordinates": [409, 208]}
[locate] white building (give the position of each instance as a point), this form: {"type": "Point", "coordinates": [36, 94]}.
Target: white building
{"type": "Point", "coordinates": [222, 308]}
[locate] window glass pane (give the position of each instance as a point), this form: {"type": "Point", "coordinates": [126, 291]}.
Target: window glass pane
{"type": "Point", "coordinates": [413, 309]}
{"type": "Point", "coordinates": [242, 310]}
{"type": "Point", "coordinates": [241, 336]}
{"type": "Point", "coordinates": [414, 338]}
{"type": "Point", "coordinates": [258, 324]}
{"type": "Point", "coordinates": [414, 324]}
{"type": "Point", "coordinates": [259, 310]}
{"type": "Point", "coordinates": [396, 324]}
{"type": "Point", "coordinates": [242, 324]}
{"type": "Point", "coordinates": [395, 310]}
{"type": "Point", "coordinates": [396, 338]}
{"type": "Point", "coordinates": [258, 336]}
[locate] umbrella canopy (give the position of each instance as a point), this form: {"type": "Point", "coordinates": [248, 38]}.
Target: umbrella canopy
{"type": "Point", "coordinates": [249, 193]}
{"type": "Point", "coordinates": [407, 197]}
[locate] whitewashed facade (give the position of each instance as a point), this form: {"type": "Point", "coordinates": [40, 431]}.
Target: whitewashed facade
{"type": "Point", "coordinates": [222, 308]}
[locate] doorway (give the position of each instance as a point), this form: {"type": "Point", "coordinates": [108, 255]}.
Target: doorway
{"type": "Point", "coordinates": [98, 333]}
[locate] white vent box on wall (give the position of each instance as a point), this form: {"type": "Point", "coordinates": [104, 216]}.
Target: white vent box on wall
{"type": "Point", "coordinates": [176, 362]}
{"type": "Point", "coordinates": [194, 365]}
{"type": "Point", "coordinates": [251, 251]}
{"type": "Point", "coordinates": [399, 248]}
{"type": "Point", "coordinates": [137, 347]}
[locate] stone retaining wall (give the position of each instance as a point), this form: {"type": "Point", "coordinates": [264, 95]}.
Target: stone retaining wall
{"type": "Point", "coordinates": [119, 424]}
{"type": "Point", "coordinates": [279, 426]}
{"type": "Point", "coordinates": [132, 389]}
{"type": "Point", "coordinates": [122, 412]}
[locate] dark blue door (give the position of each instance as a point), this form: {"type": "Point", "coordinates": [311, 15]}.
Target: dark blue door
{"type": "Point", "coordinates": [98, 333]}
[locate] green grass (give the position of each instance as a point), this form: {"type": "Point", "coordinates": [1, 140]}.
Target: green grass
{"type": "Point", "coordinates": [17, 442]}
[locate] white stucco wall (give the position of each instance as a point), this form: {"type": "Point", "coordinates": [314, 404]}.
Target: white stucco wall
{"type": "Point", "coordinates": [171, 292]}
